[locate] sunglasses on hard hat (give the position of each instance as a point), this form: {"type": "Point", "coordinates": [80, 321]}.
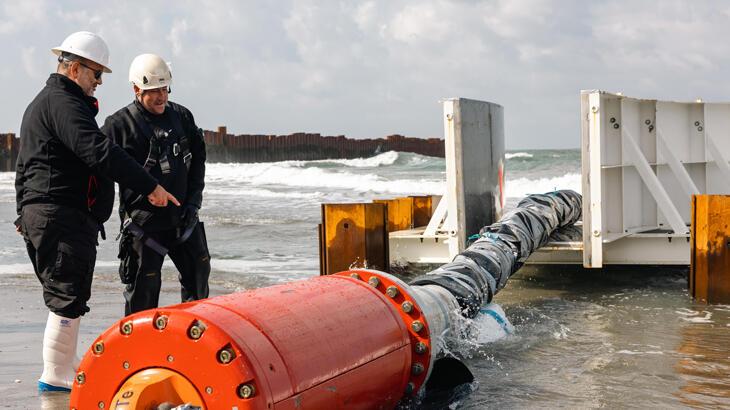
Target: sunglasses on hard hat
{"type": "Point", "coordinates": [97, 73]}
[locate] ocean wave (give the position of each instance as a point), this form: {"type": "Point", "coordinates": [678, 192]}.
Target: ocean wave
{"type": "Point", "coordinates": [7, 181]}
{"type": "Point", "coordinates": [282, 174]}
{"type": "Point", "coordinates": [384, 159]}
{"type": "Point", "coordinates": [16, 269]}
{"type": "Point", "coordinates": [521, 187]}
{"type": "Point", "coordinates": [247, 221]}
{"type": "Point", "coordinates": [263, 193]}
{"type": "Point", "coordinates": [243, 265]}
{"type": "Point", "coordinates": [511, 155]}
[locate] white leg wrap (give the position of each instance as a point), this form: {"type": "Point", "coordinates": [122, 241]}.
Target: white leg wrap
{"type": "Point", "coordinates": [59, 350]}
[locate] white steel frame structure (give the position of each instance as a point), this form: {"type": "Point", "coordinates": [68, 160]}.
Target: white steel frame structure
{"type": "Point", "coordinates": [642, 160]}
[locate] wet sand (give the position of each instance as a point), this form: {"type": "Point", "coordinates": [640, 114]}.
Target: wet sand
{"type": "Point", "coordinates": [24, 318]}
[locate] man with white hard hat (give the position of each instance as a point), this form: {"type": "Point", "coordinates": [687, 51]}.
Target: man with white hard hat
{"type": "Point", "coordinates": [63, 180]}
{"type": "Point", "coordinates": [162, 136]}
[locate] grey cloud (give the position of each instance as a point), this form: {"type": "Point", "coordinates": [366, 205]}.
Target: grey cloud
{"type": "Point", "coordinates": [379, 67]}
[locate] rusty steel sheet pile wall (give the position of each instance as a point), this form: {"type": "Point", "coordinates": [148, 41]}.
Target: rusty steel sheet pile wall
{"type": "Point", "coordinates": [224, 147]}
{"type": "Point", "coordinates": [709, 276]}
{"type": "Point", "coordinates": [9, 146]}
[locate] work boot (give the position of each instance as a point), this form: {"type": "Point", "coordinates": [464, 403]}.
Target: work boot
{"type": "Point", "coordinates": [59, 353]}
{"type": "Point", "coordinates": [76, 363]}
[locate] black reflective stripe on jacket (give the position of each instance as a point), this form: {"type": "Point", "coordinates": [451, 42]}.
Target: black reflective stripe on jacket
{"type": "Point", "coordinates": [185, 183]}
{"type": "Point", "coordinates": [61, 148]}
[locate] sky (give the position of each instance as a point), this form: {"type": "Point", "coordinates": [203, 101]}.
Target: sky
{"type": "Point", "coordinates": [375, 68]}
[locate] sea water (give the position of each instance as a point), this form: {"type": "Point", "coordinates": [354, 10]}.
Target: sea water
{"type": "Point", "coordinates": [578, 339]}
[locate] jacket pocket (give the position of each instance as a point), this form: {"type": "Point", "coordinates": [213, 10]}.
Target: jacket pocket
{"type": "Point", "coordinates": [73, 266]}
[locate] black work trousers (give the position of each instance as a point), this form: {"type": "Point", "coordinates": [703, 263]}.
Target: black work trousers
{"type": "Point", "coordinates": [141, 266]}
{"type": "Point", "coordinates": [61, 243]}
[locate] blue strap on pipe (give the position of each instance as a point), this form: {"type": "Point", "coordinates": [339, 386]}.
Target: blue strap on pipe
{"type": "Point", "coordinates": [497, 318]}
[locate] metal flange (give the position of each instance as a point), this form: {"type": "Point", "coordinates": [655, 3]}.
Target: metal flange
{"type": "Point", "coordinates": [397, 293]}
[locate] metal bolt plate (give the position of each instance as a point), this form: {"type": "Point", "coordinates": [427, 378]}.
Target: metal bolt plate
{"type": "Point", "coordinates": [161, 322]}
{"type": "Point", "coordinates": [127, 328]}
{"type": "Point", "coordinates": [246, 391]}
{"type": "Point", "coordinates": [225, 356]}
{"type": "Point", "coordinates": [195, 332]}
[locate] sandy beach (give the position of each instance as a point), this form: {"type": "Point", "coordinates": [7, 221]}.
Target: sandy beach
{"type": "Point", "coordinates": [25, 316]}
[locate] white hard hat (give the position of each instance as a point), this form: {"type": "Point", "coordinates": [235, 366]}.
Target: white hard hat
{"type": "Point", "coordinates": [150, 71]}
{"type": "Point", "coordinates": [87, 45]}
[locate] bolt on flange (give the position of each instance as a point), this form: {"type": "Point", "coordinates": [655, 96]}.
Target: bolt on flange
{"type": "Point", "coordinates": [195, 331]}
{"type": "Point", "coordinates": [98, 347]}
{"type": "Point", "coordinates": [127, 328]}
{"type": "Point", "coordinates": [226, 355]}
{"type": "Point", "coordinates": [374, 281]}
{"type": "Point", "coordinates": [246, 391]}
{"type": "Point", "coordinates": [407, 306]}
{"type": "Point", "coordinates": [392, 291]}
{"type": "Point", "coordinates": [161, 322]}
{"type": "Point", "coordinates": [81, 378]}
{"type": "Point", "coordinates": [417, 326]}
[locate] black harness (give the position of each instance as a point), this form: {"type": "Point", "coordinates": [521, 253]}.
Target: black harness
{"type": "Point", "coordinates": [134, 220]}
{"type": "Point", "coordinates": [158, 140]}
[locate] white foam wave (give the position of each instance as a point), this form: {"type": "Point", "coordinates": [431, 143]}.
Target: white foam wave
{"type": "Point", "coordinates": [384, 159]}
{"type": "Point", "coordinates": [26, 268]}
{"type": "Point", "coordinates": [283, 174]}
{"type": "Point", "coordinates": [243, 266]}
{"type": "Point", "coordinates": [634, 352]}
{"type": "Point", "coordinates": [16, 269]}
{"type": "Point", "coordinates": [707, 318]}
{"type": "Point", "coordinates": [7, 181]}
{"type": "Point", "coordinates": [262, 193]}
{"type": "Point", "coordinates": [521, 187]}
{"type": "Point", "coordinates": [420, 159]}
{"type": "Point", "coordinates": [511, 155]}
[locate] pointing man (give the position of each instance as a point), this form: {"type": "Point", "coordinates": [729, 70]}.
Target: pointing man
{"type": "Point", "coordinates": [63, 162]}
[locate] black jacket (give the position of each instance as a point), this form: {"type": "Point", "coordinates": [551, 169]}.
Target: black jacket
{"type": "Point", "coordinates": [63, 154]}
{"type": "Point", "coordinates": [185, 184]}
